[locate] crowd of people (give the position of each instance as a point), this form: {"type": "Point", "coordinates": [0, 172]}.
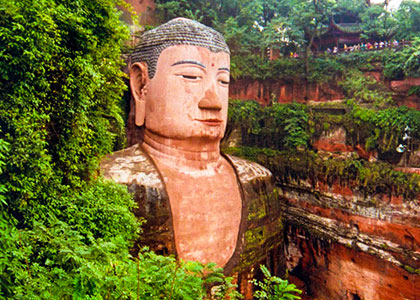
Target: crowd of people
{"type": "Point", "coordinates": [363, 47]}
{"type": "Point", "coordinates": [358, 47]}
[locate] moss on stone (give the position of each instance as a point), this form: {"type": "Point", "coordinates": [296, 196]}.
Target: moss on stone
{"type": "Point", "coordinates": [370, 178]}
{"type": "Point", "coordinates": [411, 270]}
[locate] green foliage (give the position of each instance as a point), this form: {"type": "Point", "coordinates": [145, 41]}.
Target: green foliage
{"type": "Point", "coordinates": [279, 126]}
{"type": "Point", "coordinates": [67, 256]}
{"type": "Point", "coordinates": [60, 87]}
{"type": "Point", "coordinates": [59, 262]}
{"type": "Point", "coordinates": [382, 130]}
{"type": "Point", "coordinates": [363, 89]}
{"type": "Point", "coordinates": [275, 288]}
{"type": "Point", "coordinates": [407, 17]}
{"type": "Point", "coordinates": [367, 177]}
{"type": "Point", "coordinates": [288, 127]}
{"type": "Point", "coordinates": [291, 126]}
{"type": "Point", "coordinates": [4, 149]}
{"type": "Point", "coordinates": [161, 277]}
{"type": "Point", "coordinates": [377, 23]}
{"type": "Point", "coordinates": [325, 68]}
{"type": "Point", "coordinates": [403, 63]}
{"type": "Point", "coordinates": [363, 60]}
{"type": "Point", "coordinates": [255, 67]}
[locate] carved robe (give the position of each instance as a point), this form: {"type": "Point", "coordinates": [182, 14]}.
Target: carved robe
{"type": "Point", "coordinates": [260, 229]}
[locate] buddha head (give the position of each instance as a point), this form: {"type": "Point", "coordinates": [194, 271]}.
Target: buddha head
{"type": "Point", "coordinates": [179, 78]}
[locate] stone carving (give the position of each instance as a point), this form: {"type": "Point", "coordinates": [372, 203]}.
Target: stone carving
{"type": "Point", "coordinates": [199, 203]}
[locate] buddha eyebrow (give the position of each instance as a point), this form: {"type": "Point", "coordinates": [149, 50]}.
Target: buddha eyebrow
{"type": "Point", "coordinates": [224, 69]}
{"type": "Point", "coordinates": [189, 62]}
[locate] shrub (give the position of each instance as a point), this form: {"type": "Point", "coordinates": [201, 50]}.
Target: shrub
{"type": "Point", "coordinates": [279, 126]}
{"type": "Point", "coordinates": [275, 288]}
{"type": "Point", "coordinates": [362, 89]}
{"type": "Point", "coordinates": [404, 63]}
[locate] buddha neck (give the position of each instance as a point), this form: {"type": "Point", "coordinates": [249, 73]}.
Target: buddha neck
{"type": "Point", "coordinates": [195, 153]}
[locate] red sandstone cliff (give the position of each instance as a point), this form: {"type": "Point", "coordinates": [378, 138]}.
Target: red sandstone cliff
{"type": "Point", "coordinates": [344, 245]}
{"type": "Point", "coordinates": [300, 91]}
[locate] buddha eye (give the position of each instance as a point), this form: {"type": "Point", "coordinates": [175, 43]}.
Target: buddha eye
{"type": "Point", "coordinates": [190, 77]}
{"type": "Point", "coordinates": [224, 82]}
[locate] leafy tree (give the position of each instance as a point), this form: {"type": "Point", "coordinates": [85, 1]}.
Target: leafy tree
{"type": "Point", "coordinates": [61, 86]}
{"type": "Point", "coordinates": [282, 34]}
{"type": "Point", "coordinates": [377, 23]}
{"type": "Point", "coordinates": [407, 17]}
{"type": "Point", "coordinates": [311, 17]}
{"type": "Point", "coordinates": [354, 7]}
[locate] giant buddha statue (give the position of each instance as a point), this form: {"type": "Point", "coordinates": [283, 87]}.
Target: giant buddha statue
{"type": "Point", "coordinates": [199, 203]}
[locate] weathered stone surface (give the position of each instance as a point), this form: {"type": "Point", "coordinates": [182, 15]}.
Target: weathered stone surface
{"type": "Point", "coordinates": [281, 91]}
{"type": "Point", "coordinates": [342, 244]}
{"type": "Point", "coordinates": [334, 271]}
{"type": "Point", "coordinates": [260, 238]}
{"type": "Point", "coordinates": [404, 85]}
{"type": "Point", "coordinates": [333, 141]}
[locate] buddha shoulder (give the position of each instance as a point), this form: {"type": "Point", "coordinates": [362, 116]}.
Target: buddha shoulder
{"type": "Point", "coordinates": [131, 166]}
{"type": "Point", "coordinates": [248, 170]}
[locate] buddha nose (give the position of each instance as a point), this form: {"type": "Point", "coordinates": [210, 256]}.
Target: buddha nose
{"type": "Point", "coordinates": [210, 100]}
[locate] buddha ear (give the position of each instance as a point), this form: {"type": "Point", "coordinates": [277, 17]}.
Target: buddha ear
{"type": "Point", "coordinates": [138, 81]}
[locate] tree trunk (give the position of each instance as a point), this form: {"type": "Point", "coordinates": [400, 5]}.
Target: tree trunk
{"type": "Point", "coordinates": [308, 51]}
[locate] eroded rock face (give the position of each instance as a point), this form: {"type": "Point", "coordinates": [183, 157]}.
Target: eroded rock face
{"type": "Point", "coordinates": [344, 245]}
{"type": "Point", "coordinates": [337, 272]}
{"type": "Point", "coordinates": [401, 91]}
{"type": "Point", "coordinates": [283, 92]}
{"type": "Point", "coordinates": [333, 141]}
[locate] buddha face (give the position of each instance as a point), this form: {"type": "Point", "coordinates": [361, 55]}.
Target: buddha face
{"type": "Point", "coordinates": [188, 96]}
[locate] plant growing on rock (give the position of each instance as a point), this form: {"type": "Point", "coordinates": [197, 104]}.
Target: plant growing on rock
{"type": "Point", "coordinates": [274, 288]}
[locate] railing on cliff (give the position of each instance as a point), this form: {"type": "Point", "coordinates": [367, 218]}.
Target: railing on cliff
{"type": "Point", "coordinates": [350, 49]}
